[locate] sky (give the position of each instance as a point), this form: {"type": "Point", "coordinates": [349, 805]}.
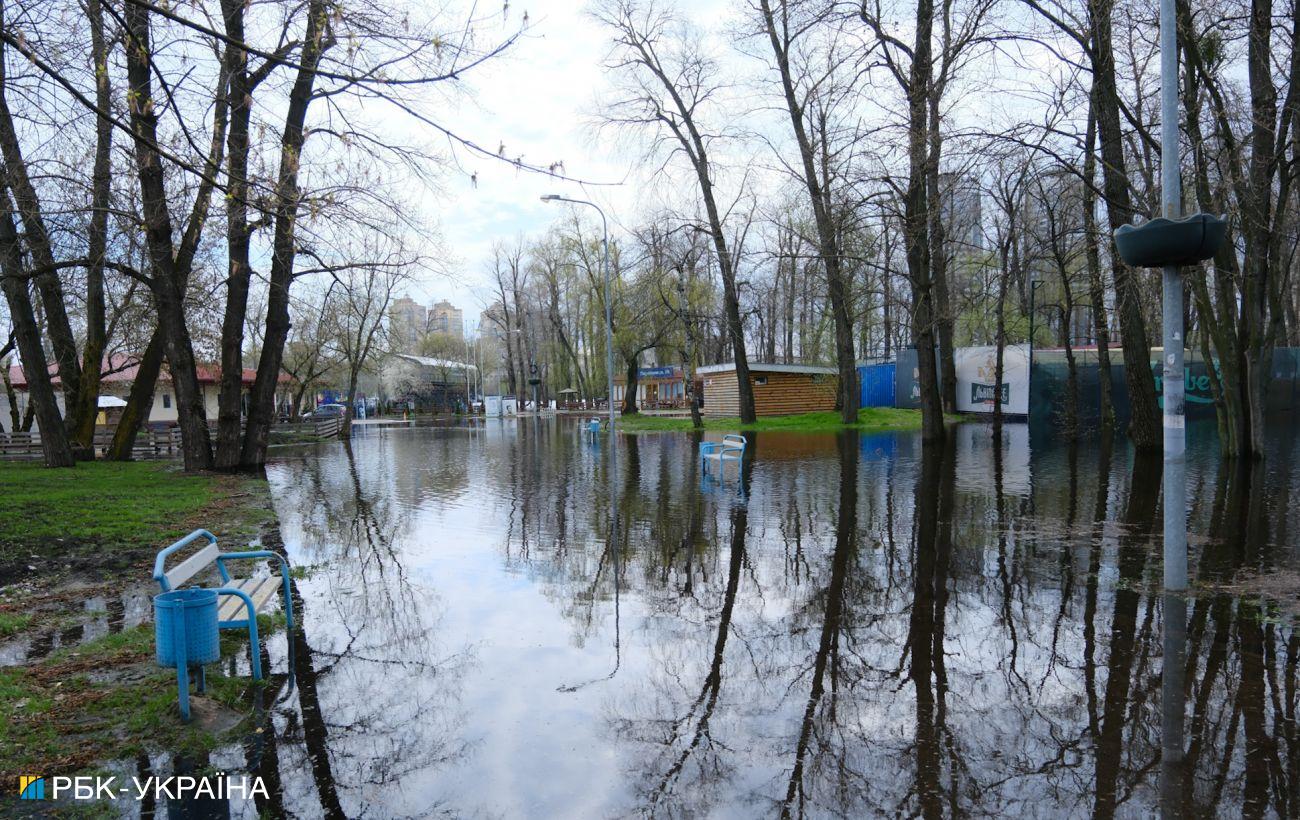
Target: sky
{"type": "Point", "coordinates": [540, 101]}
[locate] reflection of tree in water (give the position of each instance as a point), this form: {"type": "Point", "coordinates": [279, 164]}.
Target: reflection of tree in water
{"type": "Point", "coordinates": [1033, 635]}
{"type": "Point", "coordinates": [881, 639]}
{"type": "Point", "coordinates": [377, 695]}
{"type": "Point", "coordinates": [1242, 744]}
{"type": "Point", "coordinates": [828, 644]}
{"type": "Point", "coordinates": [687, 757]}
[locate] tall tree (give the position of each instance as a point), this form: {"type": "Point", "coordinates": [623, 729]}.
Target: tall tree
{"type": "Point", "coordinates": [785, 24]}
{"type": "Point", "coordinates": [1245, 315]}
{"type": "Point", "coordinates": [239, 233]}
{"type": "Point", "coordinates": [673, 81]}
{"type": "Point", "coordinates": [36, 236]}
{"type": "Point", "coordinates": [170, 261]}
{"type": "Point", "coordinates": [82, 417]}
{"type": "Point", "coordinates": [318, 39]}
{"type": "Point", "coordinates": [1092, 32]}
{"type": "Point", "coordinates": [54, 440]}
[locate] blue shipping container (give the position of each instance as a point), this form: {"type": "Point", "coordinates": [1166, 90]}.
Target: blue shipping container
{"type": "Point", "coordinates": [876, 385]}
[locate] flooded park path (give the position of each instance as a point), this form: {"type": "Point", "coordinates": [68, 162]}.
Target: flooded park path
{"type": "Point", "coordinates": [845, 629]}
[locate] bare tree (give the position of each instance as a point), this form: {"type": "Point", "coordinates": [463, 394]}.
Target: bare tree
{"type": "Point", "coordinates": [673, 82]}
{"type": "Point", "coordinates": [1092, 31]}
{"type": "Point", "coordinates": [358, 313]}
{"type": "Point", "coordinates": [786, 24]}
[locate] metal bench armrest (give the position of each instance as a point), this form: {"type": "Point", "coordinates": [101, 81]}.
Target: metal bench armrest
{"type": "Point", "coordinates": [159, 562]}
{"type": "Point", "coordinates": [227, 556]}
{"type": "Point", "coordinates": [255, 647]}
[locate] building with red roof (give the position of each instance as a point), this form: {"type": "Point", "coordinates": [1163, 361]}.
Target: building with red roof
{"type": "Point", "coordinates": [119, 373]}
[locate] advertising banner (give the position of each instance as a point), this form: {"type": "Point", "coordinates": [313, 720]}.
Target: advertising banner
{"type": "Point", "coordinates": [976, 388]}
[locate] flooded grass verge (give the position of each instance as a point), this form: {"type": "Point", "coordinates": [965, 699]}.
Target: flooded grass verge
{"type": "Point", "coordinates": [870, 419]}
{"type": "Point", "coordinates": [78, 681]}
{"type": "Point", "coordinates": [108, 699]}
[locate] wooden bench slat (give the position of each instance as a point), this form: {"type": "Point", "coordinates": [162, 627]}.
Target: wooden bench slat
{"type": "Point", "coordinates": [261, 589]}
{"type": "Point", "coordinates": [192, 566]}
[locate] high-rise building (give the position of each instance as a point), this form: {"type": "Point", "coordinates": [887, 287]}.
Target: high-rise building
{"type": "Point", "coordinates": [444, 317]}
{"type": "Point", "coordinates": [962, 203]}
{"type": "Point", "coordinates": [407, 322]}
{"type": "Point", "coordinates": [492, 322]}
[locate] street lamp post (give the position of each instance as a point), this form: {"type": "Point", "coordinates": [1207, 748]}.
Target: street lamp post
{"type": "Point", "coordinates": [1173, 689]}
{"type": "Point", "coordinates": [612, 454]}
{"type": "Point", "coordinates": [1033, 311]}
{"type": "Point", "coordinates": [609, 320]}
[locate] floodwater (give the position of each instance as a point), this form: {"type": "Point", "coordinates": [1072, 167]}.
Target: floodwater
{"type": "Point", "coordinates": [846, 627]}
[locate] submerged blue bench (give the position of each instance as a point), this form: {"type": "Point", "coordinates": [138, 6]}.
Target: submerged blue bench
{"type": "Point", "coordinates": [731, 448]}
{"type": "Point", "coordinates": [243, 598]}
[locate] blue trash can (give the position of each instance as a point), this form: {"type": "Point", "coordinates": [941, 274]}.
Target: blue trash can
{"type": "Point", "coordinates": [185, 626]}
{"type": "Point", "coordinates": [185, 634]}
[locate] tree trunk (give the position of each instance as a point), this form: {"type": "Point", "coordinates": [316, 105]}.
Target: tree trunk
{"type": "Point", "coordinates": [939, 265]}
{"type": "Point", "coordinates": [1000, 342]}
{"type": "Point", "coordinates": [1096, 287]}
{"type": "Point", "coordinates": [15, 422]}
{"type": "Point", "coordinates": [1144, 427]}
{"type": "Point", "coordinates": [688, 391]}
{"type": "Point", "coordinates": [140, 402]}
{"type": "Point", "coordinates": [1071, 381]}
{"type": "Point", "coordinates": [915, 226]}
{"type": "Point", "coordinates": [512, 372]}
{"type": "Point", "coordinates": [82, 421]}
{"type": "Point", "coordinates": [239, 269]}
{"type": "Point", "coordinates": [54, 439]}
{"type": "Point", "coordinates": [629, 407]}
{"type": "Point", "coordinates": [262, 401]}
{"type": "Point", "coordinates": [350, 405]}
{"type": "Point", "coordinates": [168, 280]}
{"type": "Point", "coordinates": [1260, 306]}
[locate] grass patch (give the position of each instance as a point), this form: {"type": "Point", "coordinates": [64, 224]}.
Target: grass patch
{"type": "Point", "coordinates": [11, 623]}
{"type": "Point", "coordinates": [871, 419]}
{"type": "Point", "coordinates": [102, 700]}
{"type": "Point", "coordinates": [104, 519]}
{"type": "Point", "coordinates": [100, 501]}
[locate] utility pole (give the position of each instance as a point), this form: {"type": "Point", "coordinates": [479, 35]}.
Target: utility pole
{"type": "Point", "coordinates": [1172, 695]}
{"type": "Point", "coordinates": [1175, 481]}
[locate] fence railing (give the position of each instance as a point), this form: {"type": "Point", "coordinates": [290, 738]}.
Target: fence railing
{"type": "Point", "coordinates": [163, 443]}
{"type": "Point", "coordinates": [152, 442]}
{"type": "Point", "coordinates": [322, 428]}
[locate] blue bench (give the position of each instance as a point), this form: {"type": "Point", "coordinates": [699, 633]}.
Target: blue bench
{"type": "Point", "coordinates": [243, 598]}
{"type": "Point", "coordinates": [731, 448]}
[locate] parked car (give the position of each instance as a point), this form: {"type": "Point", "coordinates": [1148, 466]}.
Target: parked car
{"type": "Point", "coordinates": [325, 411]}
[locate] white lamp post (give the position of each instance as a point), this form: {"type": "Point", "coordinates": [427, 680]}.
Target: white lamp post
{"type": "Point", "coordinates": [609, 321]}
